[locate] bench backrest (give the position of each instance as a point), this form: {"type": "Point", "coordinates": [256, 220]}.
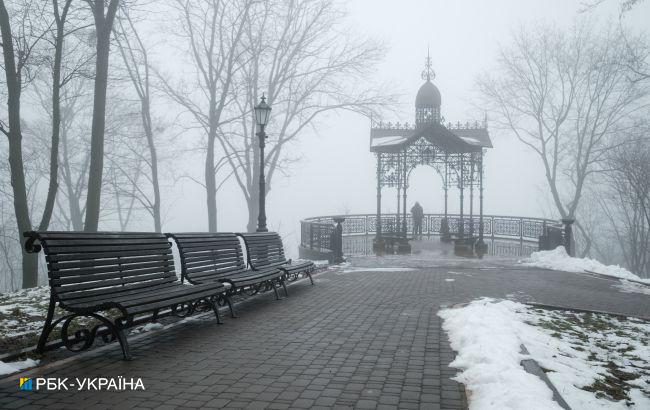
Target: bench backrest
{"type": "Point", "coordinates": [264, 249]}
{"type": "Point", "coordinates": [208, 257]}
{"type": "Point", "coordinates": [100, 265]}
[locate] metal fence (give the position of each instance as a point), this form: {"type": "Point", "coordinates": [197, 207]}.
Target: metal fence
{"type": "Point", "coordinates": [500, 231]}
{"type": "Point", "coordinates": [316, 235]}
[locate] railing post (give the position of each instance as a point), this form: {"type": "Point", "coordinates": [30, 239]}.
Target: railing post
{"type": "Point", "coordinates": [568, 236]}
{"type": "Point", "coordinates": [338, 240]}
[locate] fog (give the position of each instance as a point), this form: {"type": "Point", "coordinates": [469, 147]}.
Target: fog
{"type": "Point", "coordinates": [373, 53]}
{"type": "Point", "coordinates": [336, 171]}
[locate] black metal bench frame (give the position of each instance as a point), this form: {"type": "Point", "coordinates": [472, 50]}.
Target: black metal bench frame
{"type": "Point", "coordinates": [265, 250]}
{"type": "Point", "coordinates": [131, 273]}
{"type": "Point", "coordinates": [209, 257]}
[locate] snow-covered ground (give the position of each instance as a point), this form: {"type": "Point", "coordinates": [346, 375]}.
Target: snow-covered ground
{"type": "Point", "coordinates": [558, 259]}
{"type": "Point", "coordinates": [13, 367]}
{"type": "Point", "coordinates": [595, 361]}
{"type": "Point", "coordinates": [387, 269]}
{"type": "Point", "coordinates": [632, 287]}
{"type": "Point", "coordinates": [22, 313]}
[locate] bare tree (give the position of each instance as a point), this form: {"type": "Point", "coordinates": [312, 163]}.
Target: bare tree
{"type": "Point", "coordinates": [295, 54]}
{"type": "Point", "coordinates": [75, 158]}
{"type": "Point", "coordinates": [212, 31]}
{"type": "Point", "coordinates": [21, 34]}
{"type": "Point", "coordinates": [60, 17]}
{"type": "Point", "coordinates": [136, 62]}
{"type": "Point", "coordinates": [629, 207]}
{"type": "Point", "coordinates": [638, 57]}
{"type": "Point", "coordinates": [567, 96]}
{"type": "Point", "coordinates": [104, 17]}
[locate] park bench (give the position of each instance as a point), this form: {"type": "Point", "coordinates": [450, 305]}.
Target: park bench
{"type": "Point", "coordinates": [119, 279]}
{"type": "Point", "coordinates": [218, 257]}
{"type": "Point", "coordinates": [265, 250]}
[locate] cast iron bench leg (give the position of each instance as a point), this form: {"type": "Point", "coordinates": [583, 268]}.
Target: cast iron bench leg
{"type": "Point", "coordinates": [215, 309]}
{"type": "Point", "coordinates": [124, 344]}
{"type": "Point", "coordinates": [47, 328]}
{"type": "Point", "coordinates": [284, 286]}
{"type": "Point", "coordinates": [229, 302]}
{"type": "Point", "coordinates": [275, 290]}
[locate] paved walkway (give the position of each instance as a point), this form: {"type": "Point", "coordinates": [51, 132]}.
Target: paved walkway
{"type": "Point", "coordinates": [358, 339]}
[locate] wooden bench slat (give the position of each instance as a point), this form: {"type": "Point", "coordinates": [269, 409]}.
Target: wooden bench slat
{"type": "Point", "coordinates": [134, 310]}
{"type": "Point", "coordinates": [124, 291]}
{"type": "Point", "coordinates": [212, 268]}
{"type": "Point", "coordinates": [208, 246]}
{"type": "Point", "coordinates": [102, 255]}
{"type": "Point", "coordinates": [189, 241]}
{"type": "Point", "coordinates": [109, 282]}
{"type": "Point", "coordinates": [52, 235]}
{"type": "Point", "coordinates": [84, 243]}
{"type": "Point", "coordinates": [70, 279]}
{"type": "Point", "coordinates": [155, 294]}
{"type": "Point", "coordinates": [60, 266]}
{"type": "Point", "coordinates": [121, 267]}
{"type": "Point", "coordinates": [108, 248]}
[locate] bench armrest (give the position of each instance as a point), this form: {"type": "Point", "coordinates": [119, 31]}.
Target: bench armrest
{"type": "Point", "coordinates": [31, 245]}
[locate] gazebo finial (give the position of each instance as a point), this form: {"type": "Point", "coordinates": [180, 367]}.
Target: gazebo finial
{"type": "Point", "coordinates": [428, 73]}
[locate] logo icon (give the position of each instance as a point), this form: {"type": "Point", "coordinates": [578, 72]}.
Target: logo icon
{"type": "Point", "coordinates": [26, 383]}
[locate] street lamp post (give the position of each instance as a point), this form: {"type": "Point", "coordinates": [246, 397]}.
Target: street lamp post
{"type": "Point", "coordinates": [262, 113]}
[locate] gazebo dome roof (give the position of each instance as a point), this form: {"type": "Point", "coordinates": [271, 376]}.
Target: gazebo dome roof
{"type": "Point", "coordinates": [428, 96]}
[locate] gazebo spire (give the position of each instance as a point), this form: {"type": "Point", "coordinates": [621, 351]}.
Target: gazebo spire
{"type": "Point", "coordinates": [428, 73]}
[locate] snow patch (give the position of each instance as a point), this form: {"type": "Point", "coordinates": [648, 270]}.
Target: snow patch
{"type": "Point", "coordinates": [558, 259]}
{"type": "Point", "coordinates": [577, 349]}
{"type": "Point", "coordinates": [632, 287]}
{"type": "Point", "coordinates": [397, 269]}
{"type": "Point", "coordinates": [13, 367]}
{"type": "Point", "coordinates": [486, 336]}
{"type": "Point", "coordinates": [147, 328]}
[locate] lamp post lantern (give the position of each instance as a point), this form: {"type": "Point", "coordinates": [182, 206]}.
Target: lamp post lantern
{"type": "Point", "coordinates": [262, 114]}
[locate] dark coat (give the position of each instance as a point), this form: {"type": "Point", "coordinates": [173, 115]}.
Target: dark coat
{"type": "Point", "coordinates": [417, 212]}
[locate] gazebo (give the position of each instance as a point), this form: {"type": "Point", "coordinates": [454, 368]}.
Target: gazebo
{"type": "Point", "coordinates": [454, 151]}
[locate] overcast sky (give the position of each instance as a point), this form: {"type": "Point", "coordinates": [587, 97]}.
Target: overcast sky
{"type": "Point", "coordinates": [337, 172]}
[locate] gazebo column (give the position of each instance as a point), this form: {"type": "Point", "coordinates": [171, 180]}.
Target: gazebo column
{"type": "Point", "coordinates": [471, 197]}
{"type": "Point", "coordinates": [405, 214]}
{"type": "Point", "coordinates": [378, 241]}
{"type": "Point", "coordinates": [444, 224]}
{"type": "Point", "coordinates": [405, 187]}
{"type": "Point", "coordinates": [461, 187]}
{"type": "Point", "coordinates": [481, 248]}
{"type": "Point", "coordinates": [398, 217]}
{"type": "Point", "coordinates": [404, 247]}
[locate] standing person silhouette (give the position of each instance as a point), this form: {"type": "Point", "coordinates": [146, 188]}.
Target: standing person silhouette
{"type": "Point", "coordinates": [418, 215]}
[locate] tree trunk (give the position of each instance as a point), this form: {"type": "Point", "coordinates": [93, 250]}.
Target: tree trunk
{"type": "Point", "coordinates": [76, 216]}
{"type": "Point", "coordinates": [56, 115]}
{"type": "Point", "coordinates": [253, 188]}
{"type": "Point", "coordinates": [97, 135]}
{"type": "Point", "coordinates": [14, 135]}
{"type": "Point", "coordinates": [211, 185]}
{"type": "Point", "coordinates": [146, 121]}
{"type": "Point", "coordinates": [30, 264]}
{"type": "Point", "coordinates": [253, 211]}
{"type": "Point", "coordinates": [103, 29]}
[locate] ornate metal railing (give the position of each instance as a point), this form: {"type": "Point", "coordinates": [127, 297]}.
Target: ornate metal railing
{"type": "Point", "coordinates": [316, 235]}
{"type": "Point", "coordinates": [504, 232]}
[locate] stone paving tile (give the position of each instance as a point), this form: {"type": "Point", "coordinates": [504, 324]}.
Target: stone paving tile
{"type": "Point", "coordinates": [357, 340]}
